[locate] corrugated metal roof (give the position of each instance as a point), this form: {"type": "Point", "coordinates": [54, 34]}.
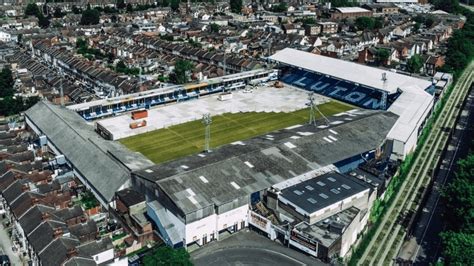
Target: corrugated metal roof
{"type": "Point", "coordinates": [349, 71]}
{"type": "Point", "coordinates": [105, 165]}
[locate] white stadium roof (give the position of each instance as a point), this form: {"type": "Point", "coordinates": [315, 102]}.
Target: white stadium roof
{"type": "Point", "coordinates": [357, 73]}
{"type": "Point", "coordinates": [351, 9]}
{"type": "Point", "coordinates": [412, 106]}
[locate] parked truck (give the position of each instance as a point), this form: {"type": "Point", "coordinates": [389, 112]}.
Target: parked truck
{"type": "Point", "coordinates": [137, 124]}
{"type": "Point", "coordinates": [139, 114]}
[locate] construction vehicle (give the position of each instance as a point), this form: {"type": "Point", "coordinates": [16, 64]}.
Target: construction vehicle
{"type": "Point", "coordinates": [139, 114]}
{"type": "Point", "coordinates": [138, 124]}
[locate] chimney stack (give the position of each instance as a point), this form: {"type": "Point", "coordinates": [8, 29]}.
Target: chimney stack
{"type": "Point", "coordinates": [72, 252]}
{"type": "Point", "coordinates": [57, 232]}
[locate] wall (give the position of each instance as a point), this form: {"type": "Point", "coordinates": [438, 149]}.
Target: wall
{"type": "Point", "coordinates": [229, 218]}
{"type": "Point", "coordinates": [196, 230]}
{"type": "Point", "coordinates": [262, 224]}
{"type": "Point", "coordinates": [104, 256]}
{"type": "Point", "coordinates": [350, 235]}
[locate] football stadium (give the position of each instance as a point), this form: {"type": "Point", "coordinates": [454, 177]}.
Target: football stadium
{"type": "Point", "coordinates": [262, 149]}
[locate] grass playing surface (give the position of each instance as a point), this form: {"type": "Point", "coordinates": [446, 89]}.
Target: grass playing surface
{"type": "Point", "coordinates": [188, 138]}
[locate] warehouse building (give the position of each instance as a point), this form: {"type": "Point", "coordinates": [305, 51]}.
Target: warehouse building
{"type": "Point", "coordinates": [193, 200]}
{"type": "Point", "coordinates": [327, 213]}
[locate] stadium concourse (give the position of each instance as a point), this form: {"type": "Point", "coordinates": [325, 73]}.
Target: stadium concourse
{"type": "Point", "coordinates": [367, 87]}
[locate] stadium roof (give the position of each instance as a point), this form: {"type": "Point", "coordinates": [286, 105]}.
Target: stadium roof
{"type": "Point", "coordinates": [323, 191]}
{"type": "Point", "coordinates": [164, 90]}
{"type": "Point", "coordinates": [241, 168]}
{"type": "Point", "coordinates": [106, 165]}
{"type": "Point", "coordinates": [412, 106]}
{"type": "Point", "coordinates": [348, 71]}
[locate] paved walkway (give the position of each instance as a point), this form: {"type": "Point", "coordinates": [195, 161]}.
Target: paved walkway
{"type": "Point", "coordinates": [6, 245]}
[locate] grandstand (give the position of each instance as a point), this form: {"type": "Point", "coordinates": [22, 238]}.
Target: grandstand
{"type": "Point", "coordinates": [363, 86]}
{"type": "Point", "coordinates": [353, 93]}
{"type": "Point", "coordinates": [170, 94]}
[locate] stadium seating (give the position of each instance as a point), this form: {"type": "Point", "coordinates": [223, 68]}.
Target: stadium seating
{"type": "Point", "coordinates": [352, 93]}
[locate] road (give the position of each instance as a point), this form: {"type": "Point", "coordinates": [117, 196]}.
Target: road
{"type": "Point", "coordinates": [468, 7]}
{"type": "Point", "coordinates": [423, 247]}
{"type": "Point", "coordinates": [389, 235]}
{"type": "Point", "coordinates": [6, 245]}
{"type": "Point", "coordinates": [249, 248]}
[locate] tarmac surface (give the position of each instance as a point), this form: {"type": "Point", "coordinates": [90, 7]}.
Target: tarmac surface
{"type": "Point", "coordinates": [6, 247]}
{"type": "Point", "coordinates": [262, 99]}
{"type": "Point", "coordinates": [424, 247]}
{"type": "Point", "coordinates": [249, 248]}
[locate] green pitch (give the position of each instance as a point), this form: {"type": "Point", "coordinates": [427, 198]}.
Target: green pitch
{"type": "Point", "coordinates": [188, 138]}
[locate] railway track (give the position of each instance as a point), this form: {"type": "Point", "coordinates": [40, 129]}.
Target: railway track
{"type": "Point", "coordinates": [389, 235]}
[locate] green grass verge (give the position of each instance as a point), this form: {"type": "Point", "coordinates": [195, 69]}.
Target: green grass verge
{"type": "Point", "coordinates": [188, 138]}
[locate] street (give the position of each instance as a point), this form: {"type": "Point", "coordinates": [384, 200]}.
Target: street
{"type": "Point", "coordinates": [6, 245]}
{"type": "Point", "coordinates": [424, 247]}
{"type": "Point", "coordinates": [250, 248]}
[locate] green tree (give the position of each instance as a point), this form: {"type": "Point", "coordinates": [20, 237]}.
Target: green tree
{"type": "Point", "coordinates": [121, 66]}
{"type": "Point", "coordinates": [174, 4]}
{"type": "Point", "coordinates": [308, 21]}
{"type": "Point", "coordinates": [379, 23]}
{"type": "Point", "coordinates": [236, 6]}
{"type": "Point", "coordinates": [32, 10]}
{"type": "Point", "coordinates": [168, 256]}
{"type": "Point", "coordinates": [416, 27]}
{"type": "Point", "coordinates": [466, 168]}
{"type": "Point", "coordinates": [429, 22]}
{"type": "Point", "coordinates": [382, 55]}
{"type": "Point", "coordinates": [43, 21]}
{"type": "Point", "coordinates": [129, 8]}
{"type": "Point", "coordinates": [365, 23]}
{"type": "Point", "coordinates": [58, 13]}
{"type": "Point", "coordinates": [281, 7]}
{"type": "Point", "coordinates": [90, 17]}
{"type": "Point", "coordinates": [75, 10]}
{"type": "Point", "coordinates": [10, 104]}
{"type": "Point", "coordinates": [213, 27]}
{"type": "Point", "coordinates": [458, 248]}
{"type": "Point", "coordinates": [121, 4]}
{"type": "Point", "coordinates": [164, 3]}
{"type": "Point", "coordinates": [450, 6]}
{"type": "Point", "coordinates": [459, 196]}
{"type": "Point", "coordinates": [181, 71]}
{"type": "Point", "coordinates": [81, 43]}
{"type": "Point", "coordinates": [414, 64]}
{"type": "Point", "coordinates": [6, 83]}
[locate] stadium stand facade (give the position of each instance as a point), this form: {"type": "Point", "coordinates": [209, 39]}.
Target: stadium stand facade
{"type": "Point", "coordinates": [170, 94]}
{"type": "Point", "coordinates": [366, 87]}
{"type": "Point", "coordinates": [195, 199]}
